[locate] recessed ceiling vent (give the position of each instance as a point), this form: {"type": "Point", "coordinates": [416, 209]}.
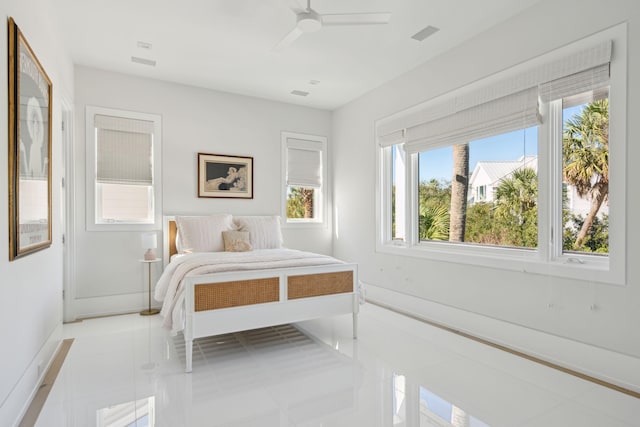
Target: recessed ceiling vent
{"type": "Point", "coordinates": [143, 61]}
{"type": "Point", "coordinates": [144, 45]}
{"type": "Point", "coordinates": [299, 92]}
{"type": "Point", "coordinates": [425, 32]}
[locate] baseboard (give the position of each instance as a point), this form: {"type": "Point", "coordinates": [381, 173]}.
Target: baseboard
{"type": "Point", "coordinates": [605, 365]}
{"type": "Point", "coordinates": [112, 304]}
{"type": "Point", "coordinates": [17, 403]}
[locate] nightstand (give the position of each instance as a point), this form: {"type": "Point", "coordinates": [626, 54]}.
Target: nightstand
{"type": "Point", "coordinates": [150, 310]}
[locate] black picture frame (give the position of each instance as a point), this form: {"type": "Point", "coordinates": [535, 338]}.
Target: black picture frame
{"type": "Point", "coordinates": [225, 176]}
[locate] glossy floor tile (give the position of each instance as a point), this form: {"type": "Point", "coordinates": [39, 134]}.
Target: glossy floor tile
{"type": "Point", "coordinates": [126, 371]}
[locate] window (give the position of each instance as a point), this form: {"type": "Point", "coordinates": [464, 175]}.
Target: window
{"type": "Point", "coordinates": [482, 189]}
{"type": "Point", "coordinates": [585, 172]}
{"type": "Point", "coordinates": [522, 166]}
{"type": "Point", "coordinates": [304, 177]}
{"type": "Point", "coordinates": [398, 193]}
{"type": "Point", "coordinates": [123, 177]}
{"type": "Point", "coordinates": [507, 164]}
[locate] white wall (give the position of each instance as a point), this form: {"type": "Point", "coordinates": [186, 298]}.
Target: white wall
{"type": "Point", "coordinates": [108, 276]}
{"type": "Point", "coordinates": [517, 298]}
{"type": "Point", "coordinates": [31, 287]}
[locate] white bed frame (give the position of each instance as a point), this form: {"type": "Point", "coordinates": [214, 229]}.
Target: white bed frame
{"type": "Point", "coordinates": [226, 320]}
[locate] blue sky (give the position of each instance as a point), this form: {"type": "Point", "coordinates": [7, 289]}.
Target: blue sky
{"type": "Point", "coordinates": [438, 164]}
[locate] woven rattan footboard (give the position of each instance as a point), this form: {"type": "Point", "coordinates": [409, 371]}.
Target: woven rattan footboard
{"type": "Point", "coordinates": [210, 296]}
{"type": "Point", "coordinates": [314, 285]}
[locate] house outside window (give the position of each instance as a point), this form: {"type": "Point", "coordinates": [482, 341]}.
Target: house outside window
{"type": "Point", "coordinates": [123, 173]}
{"type": "Point", "coordinates": [506, 215]}
{"type": "Point", "coordinates": [304, 178]}
{"type": "Point", "coordinates": [497, 171]}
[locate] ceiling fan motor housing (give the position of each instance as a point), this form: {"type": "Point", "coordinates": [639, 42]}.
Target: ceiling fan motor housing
{"type": "Point", "coordinates": [309, 21]}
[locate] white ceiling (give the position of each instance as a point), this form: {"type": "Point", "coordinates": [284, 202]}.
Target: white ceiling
{"type": "Point", "coordinates": [227, 44]}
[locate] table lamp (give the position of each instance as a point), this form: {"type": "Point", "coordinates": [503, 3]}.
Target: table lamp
{"type": "Point", "coordinates": [150, 243]}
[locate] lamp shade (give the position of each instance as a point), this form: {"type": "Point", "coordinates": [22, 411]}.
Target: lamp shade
{"type": "Point", "coordinates": [149, 242]}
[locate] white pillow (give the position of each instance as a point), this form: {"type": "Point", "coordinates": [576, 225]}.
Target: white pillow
{"type": "Point", "coordinates": [203, 233]}
{"type": "Point", "coordinates": [178, 242]}
{"type": "Point", "coordinates": [264, 231]}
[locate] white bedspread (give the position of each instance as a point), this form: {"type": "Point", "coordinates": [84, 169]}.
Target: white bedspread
{"type": "Point", "coordinates": [170, 288]}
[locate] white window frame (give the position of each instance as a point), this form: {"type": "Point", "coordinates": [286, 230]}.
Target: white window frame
{"type": "Point", "coordinates": [92, 192]}
{"type": "Point", "coordinates": [547, 259]}
{"type": "Point", "coordinates": [315, 142]}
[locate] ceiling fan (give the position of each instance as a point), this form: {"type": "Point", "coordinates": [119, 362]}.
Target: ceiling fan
{"type": "Point", "coordinates": [309, 21]}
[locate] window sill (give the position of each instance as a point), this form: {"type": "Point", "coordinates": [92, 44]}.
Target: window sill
{"type": "Point", "coordinates": [522, 260]}
{"type": "Point", "coordinates": [117, 226]}
{"type": "Point", "coordinates": [304, 224]}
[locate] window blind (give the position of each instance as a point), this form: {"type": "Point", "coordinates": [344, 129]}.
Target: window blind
{"type": "Point", "coordinates": [593, 78]}
{"type": "Point", "coordinates": [393, 138]}
{"type": "Point", "coordinates": [124, 150]}
{"type": "Point", "coordinates": [512, 112]}
{"type": "Point", "coordinates": [304, 164]}
{"type": "Point", "coordinates": [585, 97]}
{"type": "Point", "coordinates": [586, 66]}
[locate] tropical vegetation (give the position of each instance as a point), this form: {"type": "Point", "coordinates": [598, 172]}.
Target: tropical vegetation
{"type": "Point", "coordinates": [585, 147]}
{"type": "Point", "coordinates": [511, 219]}
{"type": "Point", "coordinates": [300, 202]}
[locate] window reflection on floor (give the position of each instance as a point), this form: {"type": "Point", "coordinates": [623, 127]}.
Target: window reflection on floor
{"type": "Point", "coordinates": [428, 409]}
{"type": "Point", "coordinates": [399, 408]}
{"type": "Point", "coordinates": [434, 410]}
{"type": "Point", "coordinates": [137, 413]}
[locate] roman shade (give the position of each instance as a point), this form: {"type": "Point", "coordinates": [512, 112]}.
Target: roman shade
{"type": "Point", "coordinates": [502, 115]}
{"type": "Point", "coordinates": [304, 163]}
{"type": "Point", "coordinates": [593, 78]}
{"type": "Point", "coordinates": [502, 106]}
{"type": "Point", "coordinates": [124, 150]}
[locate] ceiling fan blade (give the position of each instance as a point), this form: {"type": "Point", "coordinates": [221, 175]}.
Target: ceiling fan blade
{"type": "Point", "coordinates": [295, 6]}
{"type": "Point", "coordinates": [288, 39]}
{"type": "Point", "coordinates": [356, 18]}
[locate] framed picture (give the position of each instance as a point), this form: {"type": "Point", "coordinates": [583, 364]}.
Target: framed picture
{"type": "Point", "coordinates": [30, 94]}
{"type": "Point", "coordinates": [225, 176]}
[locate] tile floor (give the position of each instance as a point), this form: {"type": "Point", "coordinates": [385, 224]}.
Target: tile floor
{"type": "Point", "coordinates": [126, 371]}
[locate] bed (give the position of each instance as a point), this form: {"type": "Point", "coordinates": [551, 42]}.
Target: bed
{"type": "Point", "coordinates": [209, 291]}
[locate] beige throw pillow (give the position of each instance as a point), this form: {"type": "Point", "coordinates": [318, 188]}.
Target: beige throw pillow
{"type": "Point", "coordinates": [236, 241]}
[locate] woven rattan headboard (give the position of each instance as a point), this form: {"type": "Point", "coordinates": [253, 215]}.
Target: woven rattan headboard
{"type": "Point", "coordinates": [173, 231]}
{"type": "Point", "coordinates": [170, 230]}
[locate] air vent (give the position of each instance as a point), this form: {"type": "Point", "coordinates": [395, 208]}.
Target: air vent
{"type": "Point", "coordinates": [143, 61]}
{"type": "Point", "coordinates": [299, 92]}
{"type": "Point", "coordinates": [424, 33]}
{"type": "Point", "coordinates": [144, 45]}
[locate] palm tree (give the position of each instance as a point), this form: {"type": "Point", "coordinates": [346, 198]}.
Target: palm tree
{"type": "Point", "coordinates": [585, 149]}
{"type": "Point", "coordinates": [434, 198]}
{"type": "Point", "coordinates": [516, 206]}
{"type": "Point", "coordinates": [459, 187]}
{"type": "Point", "coordinates": [434, 222]}
{"type": "Point", "coordinates": [307, 201]}
{"type": "Point", "coordinates": [300, 203]}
